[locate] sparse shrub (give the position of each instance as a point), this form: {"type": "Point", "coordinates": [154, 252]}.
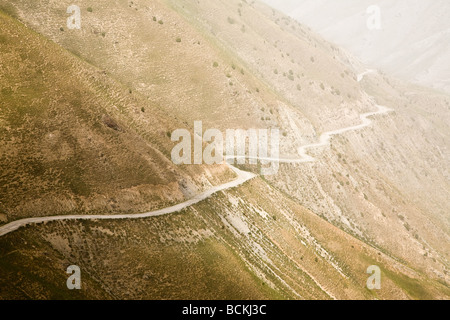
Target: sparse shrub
{"type": "Point", "coordinates": [111, 123]}
{"type": "Point", "coordinates": [275, 71]}
{"type": "Point", "coordinates": [89, 9]}
{"type": "Point", "coordinates": [242, 71]}
{"type": "Point", "coordinates": [161, 22]}
{"type": "Point", "coordinates": [312, 59]}
{"type": "Point", "coordinates": [215, 64]}
{"type": "Point", "coordinates": [178, 39]}
{"type": "Point", "coordinates": [299, 87]}
{"type": "Point", "coordinates": [154, 19]}
{"type": "Point", "coordinates": [143, 109]}
{"type": "Point", "coordinates": [230, 20]}
{"type": "Point", "coordinates": [322, 86]}
{"type": "Point", "coordinates": [61, 29]}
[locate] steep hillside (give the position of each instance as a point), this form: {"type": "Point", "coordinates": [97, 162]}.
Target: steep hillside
{"type": "Point", "coordinates": [383, 184]}
{"type": "Point", "coordinates": [86, 122]}
{"type": "Point", "coordinates": [76, 141]}
{"type": "Point", "coordinates": [413, 42]}
{"type": "Point", "coordinates": [239, 245]}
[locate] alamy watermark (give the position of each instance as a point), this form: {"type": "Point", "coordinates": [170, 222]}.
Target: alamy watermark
{"type": "Point", "coordinates": [231, 148]}
{"type": "Point", "coordinates": [374, 20]}
{"type": "Point", "coordinates": [74, 281]}
{"type": "Point", "coordinates": [74, 21]}
{"type": "Point", "coordinates": [374, 281]}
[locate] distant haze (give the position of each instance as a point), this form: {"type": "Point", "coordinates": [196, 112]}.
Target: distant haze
{"type": "Point", "coordinates": [413, 42]}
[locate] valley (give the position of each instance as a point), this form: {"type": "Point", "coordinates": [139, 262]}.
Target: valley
{"type": "Point", "coordinates": [87, 176]}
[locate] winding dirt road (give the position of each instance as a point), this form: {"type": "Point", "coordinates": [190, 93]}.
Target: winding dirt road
{"type": "Point", "coordinates": [243, 176]}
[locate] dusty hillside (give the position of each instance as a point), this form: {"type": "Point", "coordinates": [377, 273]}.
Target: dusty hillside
{"type": "Point", "coordinates": [413, 42]}
{"type": "Point", "coordinates": [235, 245]}
{"type": "Point", "coordinates": [76, 141]}
{"type": "Point", "coordinates": [393, 176]}
{"type": "Point", "coordinates": [140, 69]}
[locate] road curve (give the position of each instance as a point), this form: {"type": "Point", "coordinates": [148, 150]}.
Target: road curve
{"type": "Point", "coordinates": [324, 140]}
{"type": "Point", "coordinates": [242, 177]}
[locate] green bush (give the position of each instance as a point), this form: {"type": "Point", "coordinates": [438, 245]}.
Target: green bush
{"type": "Point", "coordinates": [178, 39]}
{"type": "Point", "coordinates": [215, 64]}
{"type": "Point", "coordinates": [89, 9]}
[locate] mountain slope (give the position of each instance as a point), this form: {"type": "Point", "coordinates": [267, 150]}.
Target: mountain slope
{"type": "Point", "coordinates": [75, 141]}
{"type": "Point", "coordinates": [376, 196]}
{"type": "Point", "coordinates": [413, 42]}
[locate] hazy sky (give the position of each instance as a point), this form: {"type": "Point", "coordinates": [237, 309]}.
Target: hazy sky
{"type": "Point", "coordinates": [407, 38]}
